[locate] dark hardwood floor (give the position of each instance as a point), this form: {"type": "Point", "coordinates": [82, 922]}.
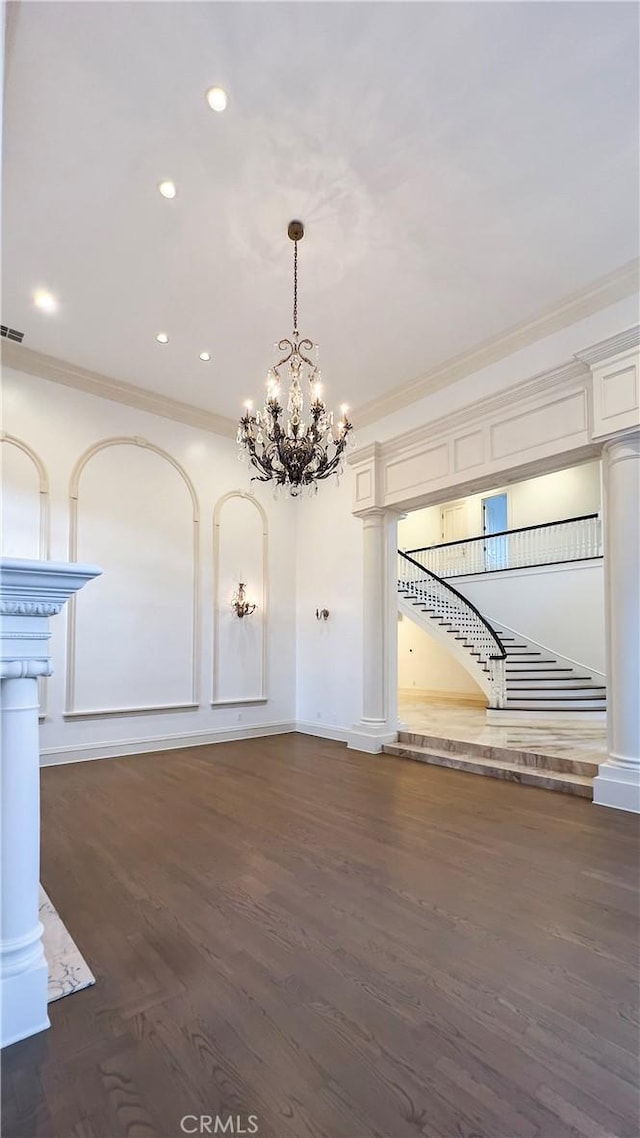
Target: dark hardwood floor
{"type": "Point", "coordinates": [339, 944]}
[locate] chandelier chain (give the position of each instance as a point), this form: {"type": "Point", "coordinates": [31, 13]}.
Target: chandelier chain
{"type": "Point", "coordinates": [295, 286]}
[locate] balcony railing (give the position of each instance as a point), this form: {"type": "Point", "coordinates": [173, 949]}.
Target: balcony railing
{"type": "Point", "coordinates": [576, 539]}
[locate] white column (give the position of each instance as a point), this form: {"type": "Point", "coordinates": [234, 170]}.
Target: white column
{"type": "Point", "coordinates": [30, 592]}
{"type": "Point", "coordinates": [618, 780]}
{"type": "Point", "coordinates": [378, 724]}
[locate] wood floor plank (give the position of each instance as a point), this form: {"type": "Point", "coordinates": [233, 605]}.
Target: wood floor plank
{"type": "Point", "coordinates": [344, 945]}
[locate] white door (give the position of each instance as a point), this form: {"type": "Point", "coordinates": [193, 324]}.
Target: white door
{"type": "Point", "coordinates": [453, 559]}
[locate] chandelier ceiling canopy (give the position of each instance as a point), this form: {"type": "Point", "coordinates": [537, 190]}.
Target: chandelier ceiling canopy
{"type": "Point", "coordinates": [290, 451]}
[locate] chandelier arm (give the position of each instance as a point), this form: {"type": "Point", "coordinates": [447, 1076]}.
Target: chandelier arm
{"type": "Point", "coordinates": [282, 347]}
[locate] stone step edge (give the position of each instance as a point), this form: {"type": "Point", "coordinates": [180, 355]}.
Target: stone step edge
{"type": "Point", "coordinates": [531, 776]}
{"type": "Point", "coordinates": [517, 756]}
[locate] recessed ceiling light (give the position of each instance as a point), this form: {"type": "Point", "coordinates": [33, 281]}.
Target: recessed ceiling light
{"type": "Point", "coordinates": [167, 189]}
{"type": "Point", "coordinates": [162, 338]}
{"type": "Point", "coordinates": [44, 300]}
{"type": "Point", "coordinates": [217, 98]}
{"type": "Point", "coordinates": [204, 356]}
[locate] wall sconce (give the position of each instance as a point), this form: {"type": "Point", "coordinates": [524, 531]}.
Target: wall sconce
{"type": "Point", "coordinates": [322, 614]}
{"type": "Point", "coordinates": [240, 604]}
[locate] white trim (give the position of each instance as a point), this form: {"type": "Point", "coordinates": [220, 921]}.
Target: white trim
{"type": "Point", "coordinates": [554, 380]}
{"type": "Point", "coordinates": [323, 731]}
{"type": "Point", "coordinates": [92, 383]}
{"type": "Point", "coordinates": [217, 599]}
{"type": "Point", "coordinates": [612, 346]}
{"type": "Point", "coordinates": [86, 752]}
{"type": "Point", "coordinates": [44, 537]}
{"type": "Point", "coordinates": [74, 504]}
{"type": "Point", "coordinates": [617, 787]}
{"type": "Point", "coordinates": [109, 712]}
{"type": "Point", "coordinates": [607, 290]}
{"type": "Point", "coordinates": [244, 701]}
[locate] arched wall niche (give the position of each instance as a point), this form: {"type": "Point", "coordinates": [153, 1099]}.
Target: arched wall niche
{"type": "Point", "coordinates": [25, 514]}
{"type": "Point", "coordinates": [240, 553]}
{"type": "Point", "coordinates": [134, 511]}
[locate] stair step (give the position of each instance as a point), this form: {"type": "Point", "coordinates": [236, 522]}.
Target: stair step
{"type": "Point", "coordinates": [552, 689]}
{"type": "Point", "coordinates": [539, 677]}
{"type": "Point", "coordinates": [564, 781]}
{"type": "Point", "coordinates": [525, 754]}
{"type": "Point", "coordinates": [529, 658]}
{"type": "Point", "coordinates": [545, 703]}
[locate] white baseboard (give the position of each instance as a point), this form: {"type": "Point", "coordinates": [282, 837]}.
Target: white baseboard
{"type": "Point", "coordinates": [323, 731]}
{"type": "Point", "coordinates": [54, 756]}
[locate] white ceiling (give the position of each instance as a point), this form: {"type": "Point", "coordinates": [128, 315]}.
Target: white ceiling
{"type": "Point", "coordinates": [458, 167]}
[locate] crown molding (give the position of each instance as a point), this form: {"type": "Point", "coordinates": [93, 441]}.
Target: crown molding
{"type": "Point", "coordinates": [607, 290]}
{"type": "Point", "coordinates": [612, 346]}
{"type": "Point", "coordinates": [92, 383]}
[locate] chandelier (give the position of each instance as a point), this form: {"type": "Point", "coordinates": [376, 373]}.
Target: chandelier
{"type": "Point", "coordinates": [289, 451]}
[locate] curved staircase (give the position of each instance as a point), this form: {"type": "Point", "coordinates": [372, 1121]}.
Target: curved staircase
{"type": "Point", "coordinates": [521, 679]}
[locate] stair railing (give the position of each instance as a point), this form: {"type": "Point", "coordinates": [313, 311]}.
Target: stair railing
{"type": "Point", "coordinates": [447, 604]}
{"type": "Point", "coordinates": [553, 543]}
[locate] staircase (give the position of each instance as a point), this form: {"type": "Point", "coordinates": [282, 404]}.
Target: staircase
{"type": "Point", "coordinates": [523, 681]}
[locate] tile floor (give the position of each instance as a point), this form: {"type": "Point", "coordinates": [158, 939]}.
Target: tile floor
{"type": "Point", "coordinates": [458, 721]}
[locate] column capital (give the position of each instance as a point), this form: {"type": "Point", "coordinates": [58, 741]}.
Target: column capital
{"type": "Point", "coordinates": [379, 512]}
{"type": "Point", "coordinates": [623, 446]}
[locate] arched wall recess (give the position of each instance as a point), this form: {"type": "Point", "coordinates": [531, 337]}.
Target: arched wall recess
{"type": "Point", "coordinates": [239, 646]}
{"type": "Point", "coordinates": [43, 491]}
{"type": "Point", "coordinates": [146, 614]}
{"type": "Point", "coordinates": [41, 543]}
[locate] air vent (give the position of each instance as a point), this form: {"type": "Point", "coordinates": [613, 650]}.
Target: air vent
{"type": "Point", "coordinates": [11, 334]}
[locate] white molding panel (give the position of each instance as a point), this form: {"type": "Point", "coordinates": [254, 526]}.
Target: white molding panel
{"type": "Point", "coordinates": [44, 539]}
{"type": "Point", "coordinates": [43, 489]}
{"type": "Point", "coordinates": [193, 681]}
{"type": "Point", "coordinates": [534, 423]}
{"type": "Point", "coordinates": [616, 394]}
{"type": "Point", "coordinates": [239, 645]}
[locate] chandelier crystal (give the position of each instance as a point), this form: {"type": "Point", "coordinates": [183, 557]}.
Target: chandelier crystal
{"type": "Point", "coordinates": [290, 451]}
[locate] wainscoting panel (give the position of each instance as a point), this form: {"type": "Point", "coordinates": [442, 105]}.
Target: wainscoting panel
{"type": "Point", "coordinates": [239, 646]}
{"type": "Point", "coordinates": [133, 640]}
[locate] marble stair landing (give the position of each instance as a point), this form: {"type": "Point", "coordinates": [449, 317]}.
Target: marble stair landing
{"type": "Point", "coordinates": [569, 774]}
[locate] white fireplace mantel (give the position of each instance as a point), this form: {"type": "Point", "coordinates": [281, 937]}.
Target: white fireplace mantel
{"type": "Point", "coordinates": [30, 593]}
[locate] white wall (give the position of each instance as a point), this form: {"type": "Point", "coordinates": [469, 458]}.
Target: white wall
{"type": "Point", "coordinates": [425, 666]}
{"type": "Point", "coordinates": [143, 632]}
{"type": "Point", "coordinates": [560, 607]}
{"type": "Point", "coordinates": [329, 575]}
{"type": "Point", "coordinates": [552, 497]}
